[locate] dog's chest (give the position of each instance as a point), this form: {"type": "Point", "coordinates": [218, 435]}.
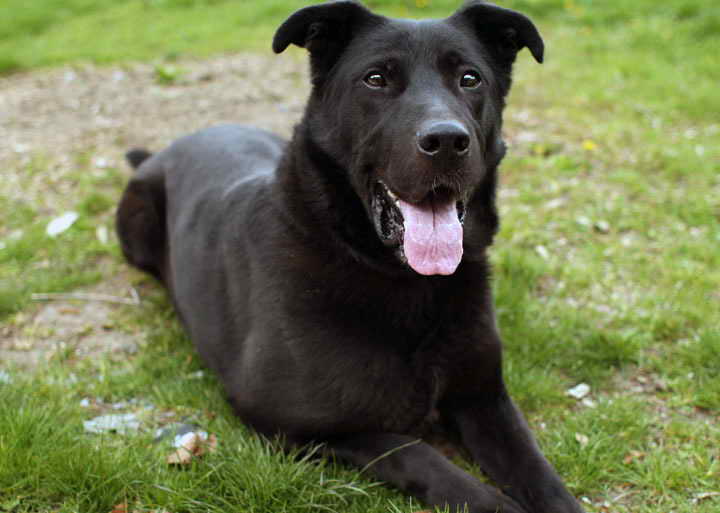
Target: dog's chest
{"type": "Point", "coordinates": [386, 353]}
{"type": "Point", "coordinates": [402, 407]}
{"type": "Point", "coordinates": [394, 392]}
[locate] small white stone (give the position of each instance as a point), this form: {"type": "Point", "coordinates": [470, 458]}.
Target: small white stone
{"type": "Point", "coordinates": [579, 391]}
{"type": "Point", "coordinates": [602, 226]}
{"type": "Point", "coordinates": [583, 221]}
{"type": "Point", "coordinates": [61, 224]}
{"type": "Point", "coordinates": [555, 203]}
{"type": "Point", "coordinates": [588, 403]}
{"type": "Point", "coordinates": [542, 251]}
{"type": "Point", "coordinates": [102, 234]}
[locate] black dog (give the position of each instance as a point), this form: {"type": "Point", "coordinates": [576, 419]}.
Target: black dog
{"type": "Point", "coordinates": [338, 283]}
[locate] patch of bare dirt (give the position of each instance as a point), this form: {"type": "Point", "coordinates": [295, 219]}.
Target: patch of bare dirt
{"type": "Point", "coordinates": [83, 325]}
{"type": "Point", "coordinates": [71, 109]}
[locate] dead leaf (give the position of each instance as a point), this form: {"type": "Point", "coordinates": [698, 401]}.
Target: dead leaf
{"type": "Point", "coordinates": [633, 456]}
{"type": "Point", "coordinates": [192, 445]}
{"type": "Point", "coordinates": [120, 508]}
{"type": "Point", "coordinates": [211, 444]}
{"type": "Point", "coordinates": [180, 457]}
{"type": "Point", "coordinates": [188, 445]}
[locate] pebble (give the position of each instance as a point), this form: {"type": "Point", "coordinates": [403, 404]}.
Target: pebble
{"type": "Point", "coordinates": [61, 224]}
{"type": "Point", "coordinates": [124, 423]}
{"type": "Point", "coordinates": [579, 391]}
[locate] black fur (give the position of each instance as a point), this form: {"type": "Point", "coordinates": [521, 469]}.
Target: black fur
{"type": "Point", "coordinates": [289, 278]}
{"type": "Point", "coordinates": [137, 156]}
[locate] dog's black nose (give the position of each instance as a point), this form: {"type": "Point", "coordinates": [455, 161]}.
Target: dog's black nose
{"type": "Point", "coordinates": [444, 139]}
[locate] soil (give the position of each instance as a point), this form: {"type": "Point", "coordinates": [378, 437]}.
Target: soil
{"type": "Point", "coordinates": [108, 110]}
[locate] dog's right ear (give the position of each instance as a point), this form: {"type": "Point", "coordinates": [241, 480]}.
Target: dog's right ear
{"type": "Point", "coordinates": [324, 30]}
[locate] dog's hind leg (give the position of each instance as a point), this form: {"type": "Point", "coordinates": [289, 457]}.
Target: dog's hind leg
{"type": "Point", "coordinates": [420, 470]}
{"type": "Point", "coordinates": [140, 219]}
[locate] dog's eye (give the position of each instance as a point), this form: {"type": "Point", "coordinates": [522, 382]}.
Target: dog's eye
{"type": "Point", "coordinates": [375, 80]}
{"type": "Point", "coordinates": [470, 80]}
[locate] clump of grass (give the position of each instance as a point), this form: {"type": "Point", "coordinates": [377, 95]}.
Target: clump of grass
{"type": "Point", "coordinates": [167, 74]}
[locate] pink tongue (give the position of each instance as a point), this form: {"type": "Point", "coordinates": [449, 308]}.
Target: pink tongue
{"type": "Point", "coordinates": [433, 237]}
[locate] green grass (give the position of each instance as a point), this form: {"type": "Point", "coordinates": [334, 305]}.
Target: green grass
{"type": "Point", "coordinates": [30, 261]}
{"type": "Point", "coordinates": [606, 271]}
{"type": "Point", "coordinates": [46, 460]}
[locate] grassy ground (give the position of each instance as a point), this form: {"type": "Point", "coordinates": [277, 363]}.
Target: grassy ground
{"type": "Point", "coordinates": [607, 273]}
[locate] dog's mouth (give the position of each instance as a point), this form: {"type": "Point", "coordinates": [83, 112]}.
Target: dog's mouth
{"type": "Point", "coordinates": [428, 235]}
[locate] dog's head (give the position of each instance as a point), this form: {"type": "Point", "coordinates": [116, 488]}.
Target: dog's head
{"type": "Point", "coordinates": [412, 112]}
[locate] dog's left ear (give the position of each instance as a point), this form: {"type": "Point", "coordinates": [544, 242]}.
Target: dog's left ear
{"type": "Point", "coordinates": [505, 31]}
{"type": "Point", "coordinates": [324, 30]}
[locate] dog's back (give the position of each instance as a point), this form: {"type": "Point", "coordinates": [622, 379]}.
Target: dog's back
{"type": "Point", "coordinates": [180, 207]}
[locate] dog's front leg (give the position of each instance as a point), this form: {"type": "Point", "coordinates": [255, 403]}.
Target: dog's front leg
{"type": "Point", "coordinates": [418, 469]}
{"type": "Point", "coordinates": [499, 440]}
